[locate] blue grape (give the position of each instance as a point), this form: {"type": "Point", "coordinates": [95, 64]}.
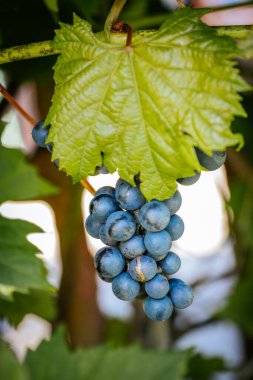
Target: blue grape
{"type": "Point", "coordinates": [120, 226]}
{"type": "Point", "coordinates": [158, 287]}
{"type": "Point", "coordinates": [109, 262]}
{"type": "Point", "coordinates": [101, 206]}
{"type": "Point", "coordinates": [105, 238]}
{"type": "Point", "coordinates": [101, 170]}
{"type": "Point", "coordinates": [56, 163]}
{"type": "Point", "coordinates": [125, 288]}
{"type": "Point", "coordinates": [157, 244]}
{"type": "Point", "coordinates": [175, 227]}
{"type": "Point", "coordinates": [129, 197]}
{"type": "Point", "coordinates": [142, 268]}
{"type": "Point", "coordinates": [188, 181]}
{"type": "Point", "coordinates": [158, 310]}
{"type": "Point", "coordinates": [213, 162]}
{"type": "Point", "coordinates": [50, 147]}
{"type": "Point", "coordinates": [133, 247]}
{"type": "Point", "coordinates": [174, 202]}
{"type": "Point", "coordinates": [40, 133]}
{"type": "Point", "coordinates": [154, 216]}
{"type": "Point", "coordinates": [180, 293]}
{"type": "Point", "coordinates": [108, 190]}
{"type": "Point", "coordinates": [104, 278]}
{"type": "Point", "coordinates": [93, 226]}
{"type": "Point", "coordinates": [170, 264]}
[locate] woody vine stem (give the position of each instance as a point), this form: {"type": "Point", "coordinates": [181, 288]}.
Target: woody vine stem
{"type": "Point", "coordinates": [45, 48]}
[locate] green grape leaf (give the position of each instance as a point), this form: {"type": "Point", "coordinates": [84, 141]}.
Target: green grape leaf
{"type": "Point", "coordinates": [19, 180]}
{"type": "Point", "coordinates": [39, 302]}
{"type": "Point", "coordinates": [202, 368]}
{"type": "Point", "coordinates": [103, 363]}
{"type": "Point", "coordinates": [145, 106]}
{"type": "Point", "coordinates": [246, 45]}
{"type": "Point", "coordinates": [10, 369]}
{"type": "Point", "coordinates": [20, 269]}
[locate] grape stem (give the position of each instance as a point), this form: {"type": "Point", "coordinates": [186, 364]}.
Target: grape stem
{"type": "Point", "coordinates": [18, 53]}
{"type": "Point", "coordinates": [181, 4]}
{"type": "Point", "coordinates": [13, 103]}
{"type": "Point", "coordinates": [88, 186]}
{"type": "Point", "coordinates": [120, 27]}
{"type": "Point", "coordinates": [113, 16]}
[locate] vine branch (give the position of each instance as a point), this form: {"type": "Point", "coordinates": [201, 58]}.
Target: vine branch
{"type": "Point", "coordinates": [34, 50]}
{"type": "Point", "coordinates": [113, 16]}
{"type": "Point", "coordinates": [239, 32]}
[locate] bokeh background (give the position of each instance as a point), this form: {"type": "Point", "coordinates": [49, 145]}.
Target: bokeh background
{"type": "Point", "coordinates": [216, 249]}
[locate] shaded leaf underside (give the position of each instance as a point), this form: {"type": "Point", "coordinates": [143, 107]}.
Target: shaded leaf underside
{"type": "Point", "coordinates": [147, 106]}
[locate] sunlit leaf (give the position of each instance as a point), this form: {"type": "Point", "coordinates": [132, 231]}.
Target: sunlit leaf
{"type": "Point", "coordinates": [145, 106]}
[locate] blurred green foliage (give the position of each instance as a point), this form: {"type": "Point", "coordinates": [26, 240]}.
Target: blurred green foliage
{"type": "Point", "coordinates": [35, 20]}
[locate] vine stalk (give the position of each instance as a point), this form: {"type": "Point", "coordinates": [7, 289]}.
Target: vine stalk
{"type": "Point", "coordinates": [113, 16]}
{"type": "Point", "coordinates": [34, 50]}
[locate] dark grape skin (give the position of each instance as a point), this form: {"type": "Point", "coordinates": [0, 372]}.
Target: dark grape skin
{"type": "Point", "coordinates": [180, 293]}
{"type": "Point", "coordinates": [120, 226]}
{"type": "Point", "coordinates": [109, 190]}
{"type": "Point", "coordinates": [175, 227]}
{"type": "Point", "coordinates": [213, 162]}
{"type": "Point", "coordinates": [133, 247]}
{"type": "Point", "coordinates": [101, 206]}
{"type": "Point", "coordinates": [174, 202]}
{"type": "Point", "coordinates": [109, 262]}
{"type": "Point", "coordinates": [154, 216]}
{"type": "Point", "coordinates": [188, 181]}
{"type": "Point", "coordinates": [142, 268]}
{"type": "Point", "coordinates": [105, 238]}
{"type": "Point", "coordinates": [157, 287]}
{"type": "Point", "coordinates": [40, 134]}
{"type": "Point", "coordinates": [101, 170]}
{"type": "Point", "coordinates": [125, 287]}
{"type": "Point", "coordinates": [158, 310]}
{"type": "Point", "coordinates": [93, 226]}
{"type": "Point", "coordinates": [170, 264]}
{"type": "Point", "coordinates": [157, 244]}
{"type": "Point", "coordinates": [128, 197]}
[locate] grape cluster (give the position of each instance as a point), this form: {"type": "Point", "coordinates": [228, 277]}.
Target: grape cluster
{"type": "Point", "coordinates": [138, 236]}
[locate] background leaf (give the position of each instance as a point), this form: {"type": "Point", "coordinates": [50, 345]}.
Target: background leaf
{"type": "Point", "coordinates": [19, 180]}
{"type": "Point", "coordinates": [102, 363]}
{"type": "Point", "coordinates": [20, 269]}
{"type": "Point", "coordinates": [41, 303]}
{"type": "Point", "coordinates": [9, 367]}
{"type": "Point", "coordinates": [147, 106]}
